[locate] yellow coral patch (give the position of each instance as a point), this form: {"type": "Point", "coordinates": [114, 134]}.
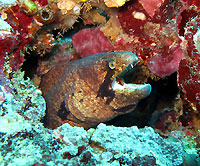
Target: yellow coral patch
{"type": "Point", "coordinates": [115, 3]}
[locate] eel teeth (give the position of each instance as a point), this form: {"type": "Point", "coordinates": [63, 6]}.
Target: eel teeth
{"type": "Point", "coordinates": [127, 87]}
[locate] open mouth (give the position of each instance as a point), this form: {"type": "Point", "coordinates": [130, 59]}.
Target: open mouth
{"type": "Point", "coordinates": [118, 83]}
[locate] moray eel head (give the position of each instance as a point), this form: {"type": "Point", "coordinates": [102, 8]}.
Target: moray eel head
{"type": "Point", "coordinates": [91, 90]}
{"type": "Point", "coordinates": [122, 96]}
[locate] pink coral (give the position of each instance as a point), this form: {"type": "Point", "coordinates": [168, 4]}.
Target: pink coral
{"type": "Point", "coordinates": [163, 67]}
{"type": "Point", "coordinates": [13, 41]}
{"type": "Point", "coordinates": [151, 6]}
{"type": "Point", "coordinates": [90, 41]}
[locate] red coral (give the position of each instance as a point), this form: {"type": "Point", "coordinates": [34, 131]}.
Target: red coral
{"type": "Point", "coordinates": [133, 25]}
{"type": "Point", "coordinates": [155, 28]}
{"type": "Point", "coordinates": [91, 41]}
{"type": "Point", "coordinates": [189, 68]}
{"type": "Point", "coordinates": [188, 12]}
{"type": "Point", "coordinates": [13, 42]}
{"type": "Point", "coordinates": [134, 16]}
{"type": "Point", "coordinates": [8, 43]}
{"type": "Point", "coordinates": [18, 20]}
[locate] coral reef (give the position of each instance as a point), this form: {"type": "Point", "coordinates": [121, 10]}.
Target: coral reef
{"type": "Point", "coordinates": [163, 34]}
{"type": "Point", "coordinates": [24, 23]}
{"type": "Point", "coordinates": [131, 148]}
{"type": "Point", "coordinates": [189, 76]}
{"type": "Point", "coordinates": [23, 97]}
{"type": "Point", "coordinates": [157, 32]}
{"type": "Point", "coordinates": [68, 145]}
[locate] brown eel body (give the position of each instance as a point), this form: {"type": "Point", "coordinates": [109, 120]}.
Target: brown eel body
{"type": "Point", "coordinates": [91, 90]}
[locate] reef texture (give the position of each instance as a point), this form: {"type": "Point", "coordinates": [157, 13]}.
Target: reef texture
{"type": "Point", "coordinates": [32, 144]}
{"type": "Point", "coordinates": [189, 77]}
{"type": "Point", "coordinates": [163, 34]}
{"type": "Point", "coordinates": [25, 22]}
{"type": "Point", "coordinates": [154, 33]}
{"type": "Point", "coordinates": [23, 97]}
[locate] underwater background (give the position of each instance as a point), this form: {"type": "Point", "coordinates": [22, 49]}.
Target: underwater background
{"type": "Point", "coordinates": [99, 82]}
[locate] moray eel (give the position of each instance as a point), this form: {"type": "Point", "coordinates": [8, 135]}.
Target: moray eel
{"type": "Point", "coordinates": [91, 90]}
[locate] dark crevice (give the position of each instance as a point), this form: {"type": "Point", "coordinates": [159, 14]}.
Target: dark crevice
{"type": "Point", "coordinates": [163, 91]}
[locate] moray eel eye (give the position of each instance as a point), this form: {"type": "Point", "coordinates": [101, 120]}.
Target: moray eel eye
{"type": "Point", "coordinates": [112, 64]}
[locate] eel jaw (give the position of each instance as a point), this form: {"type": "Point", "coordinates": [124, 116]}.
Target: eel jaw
{"type": "Point", "coordinates": [118, 84]}
{"type": "Point", "coordinates": [122, 86]}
